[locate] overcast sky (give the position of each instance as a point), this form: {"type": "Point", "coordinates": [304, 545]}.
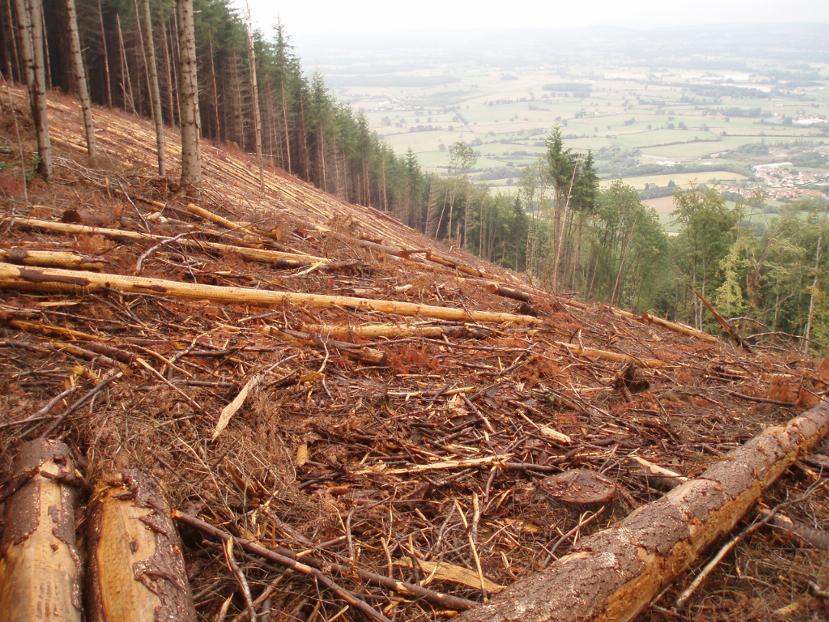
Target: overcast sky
{"type": "Point", "coordinates": [303, 17]}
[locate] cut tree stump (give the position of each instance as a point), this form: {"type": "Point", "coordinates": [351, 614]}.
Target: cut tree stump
{"type": "Point", "coordinates": [40, 568]}
{"type": "Point", "coordinates": [579, 487]}
{"type": "Point", "coordinates": [614, 574]}
{"type": "Point", "coordinates": [136, 570]}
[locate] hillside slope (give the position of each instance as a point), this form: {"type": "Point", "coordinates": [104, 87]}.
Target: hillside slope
{"type": "Point", "coordinates": [371, 448]}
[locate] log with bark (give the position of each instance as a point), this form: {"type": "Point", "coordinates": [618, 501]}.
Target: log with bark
{"type": "Point", "coordinates": [39, 564]}
{"type": "Point", "coordinates": [676, 327]}
{"type": "Point", "coordinates": [52, 279]}
{"type": "Point", "coordinates": [56, 259]}
{"type": "Point", "coordinates": [614, 574]}
{"type": "Point", "coordinates": [136, 570]}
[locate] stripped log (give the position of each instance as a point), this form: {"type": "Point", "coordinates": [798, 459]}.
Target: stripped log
{"type": "Point", "coordinates": [12, 276]}
{"type": "Point", "coordinates": [136, 570]}
{"type": "Point", "coordinates": [374, 331]}
{"type": "Point", "coordinates": [40, 568]}
{"type": "Point", "coordinates": [365, 354]}
{"type": "Point", "coordinates": [278, 258]}
{"type": "Point", "coordinates": [55, 259]}
{"type": "Point", "coordinates": [614, 574]}
{"type": "Point", "coordinates": [229, 224]}
{"type": "Point", "coordinates": [605, 355]}
{"type": "Point", "coordinates": [676, 327]}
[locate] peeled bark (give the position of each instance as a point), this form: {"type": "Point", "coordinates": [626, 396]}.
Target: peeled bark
{"type": "Point", "coordinates": [39, 564]}
{"type": "Point", "coordinates": [155, 92]}
{"type": "Point", "coordinates": [80, 77]}
{"type": "Point", "coordinates": [189, 96]}
{"type": "Point", "coordinates": [136, 570]}
{"type": "Point", "coordinates": [614, 574]}
{"type": "Point", "coordinates": [12, 276]}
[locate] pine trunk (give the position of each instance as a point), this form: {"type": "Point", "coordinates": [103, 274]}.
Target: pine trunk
{"type": "Point", "coordinates": [168, 74]}
{"type": "Point", "coordinates": [34, 12]}
{"type": "Point", "coordinates": [215, 92]}
{"type": "Point", "coordinates": [126, 82]}
{"type": "Point", "coordinates": [10, 41]}
{"type": "Point", "coordinates": [155, 92]}
{"type": "Point", "coordinates": [190, 153]}
{"type": "Point", "coordinates": [285, 123]}
{"type": "Point", "coordinates": [47, 59]}
{"type": "Point", "coordinates": [254, 88]}
{"type": "Point", "coordinates": [80, 77]}
{"type": "Point", "coordinates": [24, 38]}
{"type": "Point", "coordinates": [105, 50]}
{"type": "Point", "coordinates": [175, 56]}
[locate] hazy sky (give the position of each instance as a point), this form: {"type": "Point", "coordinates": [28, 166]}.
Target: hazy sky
{"type": "Point", "coordinates": [318, 16]}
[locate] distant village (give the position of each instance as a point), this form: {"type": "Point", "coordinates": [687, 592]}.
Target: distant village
{"type": "Point", "coordinates": [782, 181]}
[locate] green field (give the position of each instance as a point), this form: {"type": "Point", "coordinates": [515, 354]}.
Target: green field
{"type": "Point", "coordinates": [680, 179]}
{"type": "Point", "coordinates": [685, 113]}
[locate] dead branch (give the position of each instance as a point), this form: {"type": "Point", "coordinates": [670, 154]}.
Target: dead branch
{"type": "Point", "coordinates": [286, 558]}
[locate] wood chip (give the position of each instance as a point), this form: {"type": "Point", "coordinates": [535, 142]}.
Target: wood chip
{"type": "Point", "coordinates": [443, 571]}
{"type": "Point", "coordinates": [232, 408]}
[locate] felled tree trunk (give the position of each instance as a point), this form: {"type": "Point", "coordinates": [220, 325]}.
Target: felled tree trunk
{"type": "Point", "coordinates": [614, 574]}
{"type": "Point", "coordinates": [136, 571]}
{"type": "Point", "coordinates": [39, 564]}
{"type": "Point", "coordinates": [50, 279]}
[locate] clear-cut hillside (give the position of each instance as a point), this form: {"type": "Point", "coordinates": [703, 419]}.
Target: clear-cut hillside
{"type": "Point", "coordinates": [363, 398]}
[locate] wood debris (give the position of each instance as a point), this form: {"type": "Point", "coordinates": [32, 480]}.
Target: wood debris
{"type": "Point", "coordinates": [348, 420]}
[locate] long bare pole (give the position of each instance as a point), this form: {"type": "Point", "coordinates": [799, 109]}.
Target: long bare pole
{"type": "Point", "coordinates": [155, 92]}
{"type": "Point", "coordinates": [80, 77]}
{"type": "Point", "coordinates": [257, 114]}
{"type": "Point", "coordinates": [105, 49]}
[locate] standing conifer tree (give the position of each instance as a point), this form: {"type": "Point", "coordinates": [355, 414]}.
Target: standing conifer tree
{"type": "Point", "coordinates": [30, 27]}
{"type": "Point", "coordinates": [254, 87]}
{"type": "Point", "coordinates": [80, 77]}
{"type": "Point", "coordinates": [189, 94]}
{"type": "Point", "coordinates": [155, 92]}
